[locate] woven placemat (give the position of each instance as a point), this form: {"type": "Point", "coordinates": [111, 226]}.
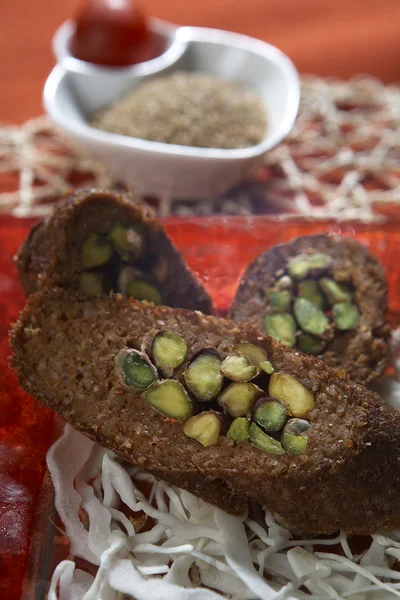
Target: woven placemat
{"type": "Point", "coordinates": [341, 161]}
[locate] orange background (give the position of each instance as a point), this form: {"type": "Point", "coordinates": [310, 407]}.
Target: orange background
{"type": "Point", "coordinates": [326, 37]}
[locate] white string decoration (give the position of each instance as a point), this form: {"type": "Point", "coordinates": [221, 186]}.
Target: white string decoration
{"type": "Point", "coordinates": [40, 165]}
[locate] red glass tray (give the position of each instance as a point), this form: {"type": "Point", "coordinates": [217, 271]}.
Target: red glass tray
{"type": "Point", "coordinates": [218, 249]}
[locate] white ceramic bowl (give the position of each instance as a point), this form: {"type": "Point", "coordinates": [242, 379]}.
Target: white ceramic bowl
{"type": "Point", "coordinates": [75, 89]}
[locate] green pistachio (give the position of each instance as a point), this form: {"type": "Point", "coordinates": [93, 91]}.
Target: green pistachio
{"type": "Point", "coordinates": [169, 351]}
{"type": "Point", "coordinates": [270, 415]}
{"type": "Point", "coordinates": [96, 251]}
{"type": "Point", "coordinates": [267, 367]}
{"type": "Point", "coordinates": [254, 353]}
{"type": "Point", "coordinates": [279, 301]}
{"type": "Point", "coordinates": [335, 292]}
{"type": "Point", "coordinates": [238, 398]}
{"type": "Point", "coordinates": [238, 367]}
{"type": "Point", "coordinates": [304, 265]}
{"type": "Point", "coordinates": [345, 316]}
{"type": "Point", "coordinates": [264, 442]}
{"type": "Point", "coordinates": [205, 428]}
{"type": "Point", "coordinates": [126, 240]}
{"type": "Point", "coordinates": [137, 370]}
{"type": "Point", "coordinates": [310, 318]}
{"type": "Point", "coordinates": [239, 430]}
{"type": "Point", "coordinates": [203, 376]}
{"type": "Point", "coordinates": [296, 398]}
{"type": "Point", "coordinates": [295, 436]}
{"type": "Point", "coordinates": [170, 399]}
{"type": "Point", "coordinates": [143, 290]}
{"type": "Point", "coordinates": [282, 327]}
{"type": "Point", "coordinates": [309, 289]}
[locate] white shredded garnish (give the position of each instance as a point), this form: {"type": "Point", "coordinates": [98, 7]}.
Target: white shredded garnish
{"type": "Point", "coordinates": [62, 576]}
{"type": "Point", "coordinates": [64, 466]}
{"type": "Point", "coordinates": [191, 550]}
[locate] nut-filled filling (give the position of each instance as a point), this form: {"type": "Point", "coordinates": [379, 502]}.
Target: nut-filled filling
{"type": "Point", "coordinates": [307, 306]}
{"type": "Point", "coordinates": [115, 261]}
{"type": "Point", "coordinates": [213, 395]}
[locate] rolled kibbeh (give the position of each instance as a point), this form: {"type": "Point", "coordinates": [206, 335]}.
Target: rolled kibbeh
{"type": "Point", "coordinates": [216, 408]}
{"type": "Point", "coordinates": [102, 240]}
{"type": "Point", "coordinates": [324, 295]}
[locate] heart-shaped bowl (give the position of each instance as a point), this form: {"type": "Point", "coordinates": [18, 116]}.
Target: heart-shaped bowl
{"type": "Point", "coordinates": [76, 89]}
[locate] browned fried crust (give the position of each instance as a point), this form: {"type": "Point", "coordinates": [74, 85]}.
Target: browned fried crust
{"type": "Point", "coordinates": [64, 349]}
{"type": "Point", "coordinates": [362, 352]}
{"type": "Point", "coordinates": [50, 256]}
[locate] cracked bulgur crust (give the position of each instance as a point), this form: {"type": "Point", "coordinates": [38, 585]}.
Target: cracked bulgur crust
{"type": "Point", "coordinates": [50, 256]}
{"type": "Point", "coordinates": [64, 347]}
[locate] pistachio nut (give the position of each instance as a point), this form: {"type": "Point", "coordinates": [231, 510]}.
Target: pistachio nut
{"type": "Point", "coordinates": [203, 376]}
{"type": "Point", "coordinates": [238, 398]}
{"type": "Point", "coordinates": [304, 265]}
{"type": "Point", "coordinates": [137, 369]}
{"type": "Point", "coordinates": [296, 398]}
{"type": "Point", "coordinates": [205, 428]}
{"type": "Point", "coordinates": [279, 300]}
{"type": "Point", "coordinates": [96, 251]}
{"type": "Point", "coordinates": [335, 292]}
{"type": "Point", "coordinates": [169, 351]}
{"type": "Point", "coordinates": [238, 367]}
{"type": "Point", "coordinates": [170, 399]}
{"type": "Point", "coordinates": [345, 316]}
{"type": "Point", "coordinates": [309, 289]}
{"type": "Point", "coordinates": [239, 430]}
{"type": "Point", "coordinates": [263, 441]}
{"type": "Point", "coordinates": [270, 415]}
{"type": "Point", "coordinates": [143, 290]}
{"type": "Point", "coordinates": [310, 318]}
{"type": "Point", "coordinates": [295, 436]}
{"type": "Point", "coordinates": [281, 327]}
